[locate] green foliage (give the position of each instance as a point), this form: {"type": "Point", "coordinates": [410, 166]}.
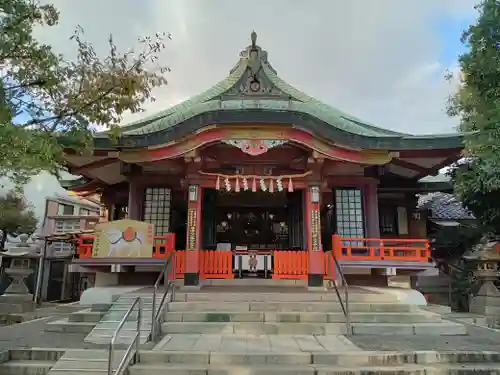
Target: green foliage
{"type": "Point", "coordinates": [463, 285]}
{"type": "Point", "coordinates": [450, 243]}
{"type": "Point", "coordinates": [477, 180]}
{"type": "Point", "coordinates": [16, 216]}
{"type": "Point", "coordinates": [56, 96]}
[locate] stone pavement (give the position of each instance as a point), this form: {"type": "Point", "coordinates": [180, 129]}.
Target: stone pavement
{"type": "Point", "coordinates": [31, 334]}
{"type": "Point", "coordinates": [256, 344]}
{"type": "Point", "coordinates": [478, 339]}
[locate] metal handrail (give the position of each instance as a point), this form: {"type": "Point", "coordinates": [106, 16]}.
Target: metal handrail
{"type": "Point", "coordinates": [344, 306]}
{"type": "Point", "coordinates": [122, 366]}
{"type": "Point", "coordinates": [164, 274]}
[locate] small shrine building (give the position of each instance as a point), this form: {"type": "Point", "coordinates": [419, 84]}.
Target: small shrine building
{"type": "Point", "coordinates": [253, 178]}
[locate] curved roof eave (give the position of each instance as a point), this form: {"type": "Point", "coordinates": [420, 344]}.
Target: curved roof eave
{"type": "Point", "coordinates": [215, 106]}
{"type": "Point", "coordinates": [306, 121]}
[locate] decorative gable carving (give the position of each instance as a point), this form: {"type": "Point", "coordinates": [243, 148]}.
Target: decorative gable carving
{"type": "Point", "coordinates": [254, 82]}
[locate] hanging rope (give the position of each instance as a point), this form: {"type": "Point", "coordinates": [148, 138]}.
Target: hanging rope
{"type": "Point", "coordinates": [250, 176]}
{"type": "Point", "coordinates": [266, 183]}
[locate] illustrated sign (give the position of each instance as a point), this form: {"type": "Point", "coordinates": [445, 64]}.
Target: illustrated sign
{"type": "Point", "coordinates": [123, 239]}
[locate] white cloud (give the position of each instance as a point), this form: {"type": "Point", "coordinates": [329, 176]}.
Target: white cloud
{"type": "Point", "coordinates": [378, 59]}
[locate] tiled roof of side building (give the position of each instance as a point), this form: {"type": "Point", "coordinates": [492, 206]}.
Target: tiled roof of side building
{"type": "Point", "coordinates": [444, 206]}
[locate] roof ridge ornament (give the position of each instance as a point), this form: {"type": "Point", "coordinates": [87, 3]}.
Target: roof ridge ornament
{"type": "Point", "coordinates": [255, 57]}
{"type": "Point", "coordinates": [253, 37]}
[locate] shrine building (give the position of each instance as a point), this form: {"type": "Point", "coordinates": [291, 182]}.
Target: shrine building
{"type": "Point", "coordinates": [254, 178]}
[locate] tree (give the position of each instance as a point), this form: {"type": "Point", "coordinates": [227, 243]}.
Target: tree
{"type": "Point", "coordinates": [449, 244]}
{"type": "Point", "coordinates": [44, 95]}
{"type": "Point", "coordinates": [477, 178]}
{"type": "Point", "coordinates": [16, 216]}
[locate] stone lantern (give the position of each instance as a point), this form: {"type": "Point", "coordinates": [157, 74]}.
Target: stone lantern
{"type": "Point", "coordinates": [17, 297]}
{"type": "Point", "coordinates": [486, 258]}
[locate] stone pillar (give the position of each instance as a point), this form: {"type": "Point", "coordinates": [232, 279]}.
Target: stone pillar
{"type": "Point", "coordinates": [192, 271]}
{"type": "Point", "coordinates": [313, 232]}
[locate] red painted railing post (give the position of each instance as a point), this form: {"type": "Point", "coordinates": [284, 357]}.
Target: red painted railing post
{"type": "Point", "coordinates": [337, 245]}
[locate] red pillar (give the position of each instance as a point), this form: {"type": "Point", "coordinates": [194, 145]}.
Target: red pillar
{"type": "Point", "coordinates": [135, 199]}
{"type": "Point", "coordinates": [371, 211]}
{"type": "Point", "coordinates": [313, 231]}
{"type": "Point", "coordinates": [192, 271]}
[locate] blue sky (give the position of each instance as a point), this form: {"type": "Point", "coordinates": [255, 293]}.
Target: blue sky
{"type": "Point", "coordinates": [449, 30]}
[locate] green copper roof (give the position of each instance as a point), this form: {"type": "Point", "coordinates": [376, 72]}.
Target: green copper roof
{"type": "Point", "coordinates": [254, 93]}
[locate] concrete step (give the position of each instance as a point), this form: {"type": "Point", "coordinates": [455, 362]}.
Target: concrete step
{"type": "Point", "coordinates": [26, 367]}
{"type": "Point", "coordinates": [36, 354]}
{"type": "Point", "coordinates": [108, 324]}
{"type": "Point", "coordinates": [443, 328]}
{"type": "Point", "coordinates": [296, 317]}
{"type": "Point", "coordinates": [126, 306]}
{"type": "Point", "coordinates": [254, 328]}
{"type": "Point", "coordinates": [408, 369]}
{"type": "Point", "coordinates": [323, 306]}
{"type": "Point", "coordinates": [66, 326]}
{"type": "Point", "coordinates": [28, 361]}
{"type": "Point", "coordinates": [347, 359]}
{"type": "Point", "coordinates": [130, 325]}
{"type": "Point", "coordinates": [88, 316]}
{"type": "Point", "coordinates": [283, 297]}
{"type": "Point", "coordinates": [100, 336]}
{"type": "Point", "coordinates": [86, 361]}
{"type": "Point", "coordinates": [146, 316]}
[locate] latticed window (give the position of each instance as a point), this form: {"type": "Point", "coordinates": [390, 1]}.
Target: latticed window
{"type": "Point", "coordinates": [349, 212]}
{"type": "Point", "coordinates": [157, 209]}
{"type": "Point", "coordinates": [62, 226]}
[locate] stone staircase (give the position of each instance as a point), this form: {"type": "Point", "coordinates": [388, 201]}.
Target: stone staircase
{"type": "Point", "coordinates": [295, 311]}
{"type": "Point", "coordinates": [255, 330]}
{"type": "Point", "coordinates": [293, 331]}
{"type": "Point", "coordinates": [107, 325]}
{"type": "Point", "coordinates": [38, 361]}
{"type": "Point", "coordinates": [303, 363]}
{"type": "Point", "coordinates": [82, 321]}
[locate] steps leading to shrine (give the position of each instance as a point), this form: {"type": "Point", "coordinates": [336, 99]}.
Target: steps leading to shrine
{"type": "Point", "coordinates": [288, 311]}
{"type": "Point", "coordinates": [300, 363]}
{"type": "Point", "coordinates": [37, 361]}
{"type": "Point", "coordinates": [107, 325]}
{"type": "Point", "coordinates": [298, 306]}
{"type": "Point", "coordinates": [82, 321]}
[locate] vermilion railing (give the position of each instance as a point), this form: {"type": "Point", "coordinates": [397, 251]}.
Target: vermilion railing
{"type": "Point", "coordinates": [290, 264]}
{"type": "Point", "coordinates": [163, 246]}
{"type": "Point", "coordinates": [216, 264]}
{"type": "Point", "coordinates": [294, 264]}
{"type": "Point", "coordinates": [380, 249]}
{"type": "Point", "coordinates": [287, 264]}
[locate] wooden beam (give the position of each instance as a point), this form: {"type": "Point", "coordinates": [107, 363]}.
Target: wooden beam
{"type": "Point", "coordinates": [411, 166]}
{"type": "Point", "coordinates": [435, 169]}
{"type": "Point", "coordinates": [95, 164]}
